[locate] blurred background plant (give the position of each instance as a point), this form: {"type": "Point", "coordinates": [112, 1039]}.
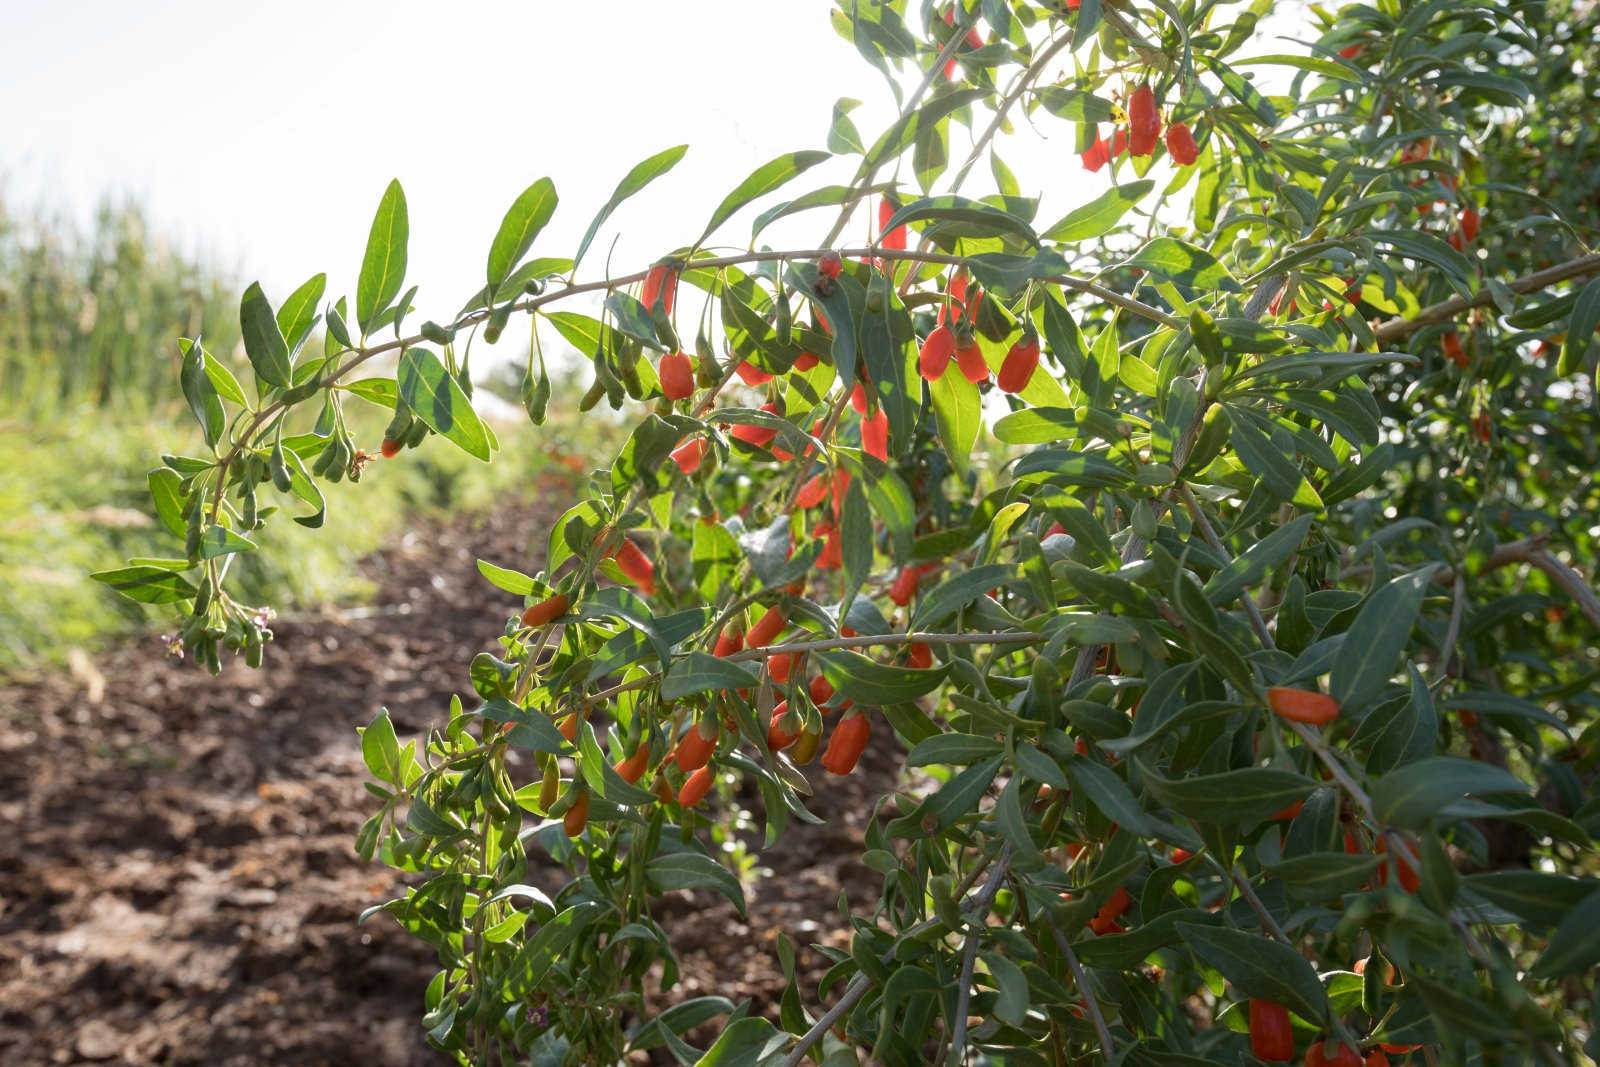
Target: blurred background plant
{"type": "Point", "coordinates": [89, 320]}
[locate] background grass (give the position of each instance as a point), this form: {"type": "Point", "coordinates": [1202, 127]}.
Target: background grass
{"type": "Point", "coordinates": [89, 402]}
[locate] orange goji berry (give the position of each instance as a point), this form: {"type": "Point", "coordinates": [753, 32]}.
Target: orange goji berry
{"type": "Point", "coordinates": [845, 745]}
{"type": "Point", "coordinates": [1300, 705]}
{"type": "Point", "coordinates": [541, 613]}
{"type": "Point", "coordinates": [695, 787]}
{"type": "Point", "coordinates": [577, 816]}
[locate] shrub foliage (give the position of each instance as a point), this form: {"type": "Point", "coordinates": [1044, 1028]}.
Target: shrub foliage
{"type": "Point", "coordinates": [1210, 550]}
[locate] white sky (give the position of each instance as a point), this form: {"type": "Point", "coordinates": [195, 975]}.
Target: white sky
{"type": "Point", "coordinates": [263, 135]}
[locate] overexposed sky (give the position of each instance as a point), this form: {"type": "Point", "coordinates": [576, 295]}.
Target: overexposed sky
{"type": "Point", "coordinates": [263, 135]}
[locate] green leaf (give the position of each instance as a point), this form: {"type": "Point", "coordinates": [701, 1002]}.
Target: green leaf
{"type": "Point", "coordinates": [201, 394]}
{"type": "Point", "coordinates": [166, 490]}
{"type": "Point", "coordinates": [952, 749]}
{"type": "Point", "coordinates": [1037, 426]}
{"type": "Point", "coordinates": [700, 672]}
{"type": "Point", "coordinates": [1108, 792]}
{"type": "Point", "coordinates": [147, 584]}
{"type": "Point", "coordinates": [764, 179]}
{"type": "Point", "coordinates": [690, 870]}
{"type": "Point", "coordinates": [380, 748]}
{"type": "Point", "coordinates": [958, 410]}
{"type": "Point", "coordinates": [303, 486]}
{"type": "Point", "coordinates": [1074, 104]}
{"type": "Point", "coordinates": [746, 1042]}
{"type": "Point", "coordinates": [544, 948]}
{"type": "Point", "coordinates": [220, 541]}
{"type": "Point", "coordinates": [1241, 797]}
{"type": "Point", "coordinates": [1073, 468]}
{"type": "Point", "coordinates": [843, 137]}
{"type": "Point", "coordinates": [379, 391]}
{"type": "Point", "coordinates": [855, 534]}
{"type": "Point", "coordinates": [265, 346]}
{"type": "Point", "coordinates": [511, 581]}
{"type": "Point", "coordinates": [959, 796]}
{"type": "Point", "coordinates": [1411, 795]}
{"type": "Point", "coordinates": [1183, 263]}
{"type": "Point", "coordinates": [433, 394]}
{"type": "Point", "coordinates": [957, 216]}
{"type": "Point", "coordinates": [298, 315]}
{"type": "Point", "coordinates": [943, 601]}
{"type": "Point", "coordinates": [1250, 566]}
{"type": "Point", "coordinates": [1260, 968]}
{"type": "Point", "coordinates": [1098, 216]}
{"type": "Point", "coordinates": [1535, 896]}
{"type": "Point", "coordinates": [1011, 1006]}
{"type": "Point", "coordinates": [867, 682]}
{"type": "Point", "coordinates": [522, 223]}
{"type": "Point", "coordinates": [642, 174]}
{"type": "Point", "coordinates": [223, 381]}
{"type": "Point", "coordinates": [1410, 734]}
{"type": "Point", "coordinates": [1580, 328]}
{"type": "Point", "coordinates": [1376, 640]}
{"type": "Point", "coordinates": [383, 266]}
{"type": "Point", "coordinates": [1281, 476]}
{"type": "Point", "coordinates": [1324, 875]}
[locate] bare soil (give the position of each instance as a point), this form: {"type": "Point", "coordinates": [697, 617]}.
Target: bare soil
{"type": "Point", "coordinates": [177, 879]}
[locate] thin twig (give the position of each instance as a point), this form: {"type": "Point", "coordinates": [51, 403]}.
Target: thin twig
{"type": "Point", "coordinates": [1081, 979]}
{"type": "Point", "coordinates": [1449, 309]}
{"type": "Point", "coordinates": [980, 912]}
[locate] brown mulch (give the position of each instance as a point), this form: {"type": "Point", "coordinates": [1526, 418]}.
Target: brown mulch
{"type": "Point", "coordinates": [178, 884]}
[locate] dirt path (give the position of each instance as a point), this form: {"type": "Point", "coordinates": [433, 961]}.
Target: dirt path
{"type": "Point", "coordinates": [177, 882]}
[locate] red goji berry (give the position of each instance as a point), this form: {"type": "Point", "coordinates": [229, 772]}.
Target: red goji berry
{"type": "Point", "coordinates": [677, 376]}
{"type": "Point", "coordinates": [1271, 1034]}
{"type": "Point", "coordinates": [1180, 144]}
{"type": "Point", "coordinates": [1144, 122]}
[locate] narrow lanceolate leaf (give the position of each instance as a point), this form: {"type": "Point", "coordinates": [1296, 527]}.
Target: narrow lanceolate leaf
{"type": "Point", "coordinates": [1250, 566]}
{"type": "Point", "coordinates": [147, 584]}
{"type": "Point", "coordinates": [1411, 795]}
{"type": "Point", "coordinates": [433, 395]}
{"type": "Point", "coordinates": [957, 216]}
{"type": "Point", "coordinates": [1377, 639]}
{"type": "Point", "coordinates": [167, 493]}
{"type": "Point", "coordinates": [866, 682]}
{"type": "Point", "coordinates": [263, 342]}
{"type": "Point", "coordinates": [1241, 797]}
{"type": "Point", "coordinates": [298, 315]}
{"type": "Point", "coordinates": [201, 394]}
{"type": "Point", "coordinates": [855, 532]}
{"type": "Point", "coordinates": [1100, 214]}
{"type": "Point", "coordinates": [943, 601]}
{"type": "Point", "coordinates": [525, 218]}
{"type": "Point", "coordinates": [219, 541]}
{"type": "Point", "coordinates": [540, 951]}
{"type": "Point", "coordinates": [764, 179]}
{"type": "Point", "coordinates": [1177, 261]}
{"type": "Point", "coordinates": [1260, 968]}
{"type": "Point", "coordinates": [383, 266]}
{"type": "Point", "coordinates": [640, 176]}
{"type": "Point", "coordinates": [1580, 328]}
{"type": "Point", "coordinates": [690, 870]}
{"type": "Point", "coordinates": [701, 673]}
{"type": "Point", "coordinates": [958, 411]}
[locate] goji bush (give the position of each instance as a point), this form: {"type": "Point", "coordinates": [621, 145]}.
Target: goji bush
{"type": "Point", "coordinates": [1214, 552]}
